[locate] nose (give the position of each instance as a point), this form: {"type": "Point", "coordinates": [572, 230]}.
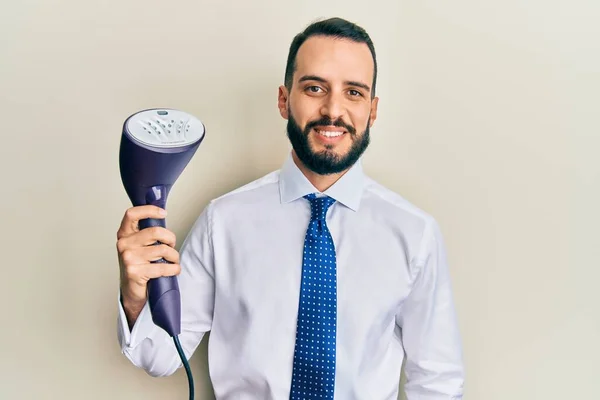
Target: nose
{"type": "Point", "coordinates": [333, 107]}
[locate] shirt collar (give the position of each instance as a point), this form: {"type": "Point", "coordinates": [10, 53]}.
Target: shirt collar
{"type": "Point", "coordinates": [347, 190]}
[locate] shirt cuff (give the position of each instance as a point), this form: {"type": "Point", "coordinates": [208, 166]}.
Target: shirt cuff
{"type": "Point", "coordinates": [142, 328]}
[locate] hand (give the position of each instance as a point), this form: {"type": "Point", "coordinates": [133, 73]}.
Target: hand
{"type": "Point", "coordinates": [136, 249]}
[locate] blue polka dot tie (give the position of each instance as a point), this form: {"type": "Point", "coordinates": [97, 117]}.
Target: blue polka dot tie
{"type": "Point", "coordinates": [313, 375]}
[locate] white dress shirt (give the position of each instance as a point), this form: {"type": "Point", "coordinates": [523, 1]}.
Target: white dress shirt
{"type": "Point", "coordinates": [240, 280]}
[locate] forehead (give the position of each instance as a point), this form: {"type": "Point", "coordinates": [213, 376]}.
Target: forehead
{"type": "Point", "coordinates": [335, 60]}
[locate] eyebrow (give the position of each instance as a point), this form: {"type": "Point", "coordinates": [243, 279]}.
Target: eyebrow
{"type": "Point", "coordinates": [319, 79]}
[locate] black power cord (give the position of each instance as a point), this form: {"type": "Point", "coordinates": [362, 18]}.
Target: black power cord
{"type": "Point", "coordinates": [188, 370]}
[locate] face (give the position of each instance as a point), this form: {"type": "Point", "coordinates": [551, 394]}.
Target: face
{"type": "Point", "coordinates": [329, 107]}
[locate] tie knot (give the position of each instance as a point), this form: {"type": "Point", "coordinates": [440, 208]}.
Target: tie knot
{"type": "Point", "coordinates": [319, 205]}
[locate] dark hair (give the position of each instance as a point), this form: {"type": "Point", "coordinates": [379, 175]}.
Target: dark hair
{"type": "Point", "coordinates": [334, 27]}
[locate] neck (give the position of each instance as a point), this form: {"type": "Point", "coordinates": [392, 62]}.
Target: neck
{"type": "Point", "coordinates": [320, 182]}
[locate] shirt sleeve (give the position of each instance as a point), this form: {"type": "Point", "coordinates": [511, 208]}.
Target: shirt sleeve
{"type": "Point", "coordinates": [427, 319]}
{"type": "Point", "coordinates": [148, 346]}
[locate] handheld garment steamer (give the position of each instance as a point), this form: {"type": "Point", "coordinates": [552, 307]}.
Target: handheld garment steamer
{"type": "Point", "coordinates": [156, 146]}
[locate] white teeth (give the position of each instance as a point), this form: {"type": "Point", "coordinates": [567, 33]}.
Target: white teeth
{"type": "Point", "coordinates": [330, 133]}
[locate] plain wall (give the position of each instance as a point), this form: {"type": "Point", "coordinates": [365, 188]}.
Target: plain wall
{"type": "Point", "coordinates": [488, 120]}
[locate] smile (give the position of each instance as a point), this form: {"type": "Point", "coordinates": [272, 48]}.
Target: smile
{"type": "Point", "coordinates": [329, 133]}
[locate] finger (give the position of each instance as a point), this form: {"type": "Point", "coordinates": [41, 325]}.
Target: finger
{"type": "Point", "coordinates": [151, 271]}
{"type": "Point", "coordinates": [150, 236]}
{"type": "Point", "coordinates": [148, 254]}
{"type": "Point", "coordinates": [145, 238]}
{"type": "Point", "coordinates": [154, 253]}
{"type": "Point", "coordinates": [129, 223]}
{"type": "Point", "coordinates": [160, 269]}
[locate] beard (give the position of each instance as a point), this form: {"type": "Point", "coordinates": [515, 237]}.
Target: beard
{"type": "Point", "coordinates": [325, 162]}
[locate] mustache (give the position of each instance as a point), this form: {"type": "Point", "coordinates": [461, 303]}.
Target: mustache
{"type": "Point", "coordinates": [325, 121]}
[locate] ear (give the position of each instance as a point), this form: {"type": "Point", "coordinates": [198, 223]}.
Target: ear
{"type": "Point", "coordinates": [282, 101]}
{"type": "Point", "coordinates": [374, 104]}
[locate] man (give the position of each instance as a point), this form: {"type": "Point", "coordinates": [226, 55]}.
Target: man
{"type": "Point", "coordinates": [315, 281]}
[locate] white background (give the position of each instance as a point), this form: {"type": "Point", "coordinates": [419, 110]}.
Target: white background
{"type": "Point", "coordinates": [488, 120]}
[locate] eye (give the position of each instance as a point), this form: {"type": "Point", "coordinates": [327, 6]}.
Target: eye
{"type": "Point", "coordinates": [354, 93]}
{"type": "Point", "coordinates": [314, 89]}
